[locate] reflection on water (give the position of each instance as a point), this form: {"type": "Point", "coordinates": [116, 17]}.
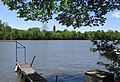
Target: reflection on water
{"type": "Point", "coordinates": [67, 59]}
{"type": "Point", "coordinates": [67, 78]}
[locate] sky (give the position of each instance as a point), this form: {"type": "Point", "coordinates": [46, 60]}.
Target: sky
{"type": "Point", "coordinates": [10, 17]}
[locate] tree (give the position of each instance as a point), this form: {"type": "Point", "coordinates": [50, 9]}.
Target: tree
{"type": "Point", "coordinates": [1, 35]}
{"type": "Point", "coordinates": [79, 36]}
{"type": "Point", "coordinates": [73, 35]}
{"type": "Point", "coordinates": [74, 13]}
{"type": "Point", "coordinates": [117, 35]}
{"type": "Point", "coordinates": [33, 33]}
{"type": "Point", "coordinates": [106, 49]}
{"type": "Point", "coordinates": [54, 28]}
{"type": "Point", "coordinates": [15, 34]}
{"type": "Point", "coordinates": [110, 34]}
{"type": "Point", "coordinates": [6, 31]}
{"type": "Point", "coordinates": [1, 25]}
{"type": "Point", "coordinates": [91, 35]}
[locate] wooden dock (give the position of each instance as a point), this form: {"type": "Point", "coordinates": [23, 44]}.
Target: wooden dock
{"type": "Point", "coordinates": [28, 74]}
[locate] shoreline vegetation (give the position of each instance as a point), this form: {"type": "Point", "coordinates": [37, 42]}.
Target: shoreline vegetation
{"type": "Point", "coordinates": [9, 33]}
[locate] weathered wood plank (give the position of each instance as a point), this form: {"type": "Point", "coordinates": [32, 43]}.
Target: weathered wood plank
{"type": "Point", "coordinates": [29, 73]}
{"type": "Point", "coordinates": [26, 69]}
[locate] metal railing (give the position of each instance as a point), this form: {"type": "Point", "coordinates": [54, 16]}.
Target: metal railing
{"type": "Point", "coordinates": [20, 46]}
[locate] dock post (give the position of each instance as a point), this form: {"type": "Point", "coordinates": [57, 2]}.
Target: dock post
{"type": "Point", "coordinates": [25, 53]}
{"type": "Point", "coordinates": [16, 52]}
{"type": "Point", "coordinates": [32, 61]}
{"type": "Point", "coordinates": [56, 78]}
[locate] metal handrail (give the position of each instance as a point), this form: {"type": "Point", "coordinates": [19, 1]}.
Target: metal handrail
{"type": "Point", "coordinates": [22, 46]}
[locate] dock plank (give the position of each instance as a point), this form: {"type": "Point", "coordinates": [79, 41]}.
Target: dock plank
{"type": "Point", "coordinates": [30, 74]}
{"type": "Point", "coordinates": [26, 69]}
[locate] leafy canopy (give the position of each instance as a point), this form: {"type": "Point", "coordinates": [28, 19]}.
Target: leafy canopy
{"type": "Point", "coordinates": [74, 13]}
{"type": "Point", "coordinates": [106, 48]}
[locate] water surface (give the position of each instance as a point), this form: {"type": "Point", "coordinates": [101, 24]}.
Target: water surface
{"type": "Point", "coordinates": [69, 59]}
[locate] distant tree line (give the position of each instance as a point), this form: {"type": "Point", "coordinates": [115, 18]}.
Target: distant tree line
{"type": "Point", "coordinates": [8, 33]}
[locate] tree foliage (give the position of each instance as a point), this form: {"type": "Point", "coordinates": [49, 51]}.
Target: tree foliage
{"type": "Point", "coordinates": [107, 48]}
{"type": "Point", "coordinates": [74, 13]}
{"type": "Point", "coordinates": [35, 33]}
{"type": "Point", "coordinates": [106, 45]}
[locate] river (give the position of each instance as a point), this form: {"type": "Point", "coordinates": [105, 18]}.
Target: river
{"type": "Point", "coordinates": [69, 59]}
